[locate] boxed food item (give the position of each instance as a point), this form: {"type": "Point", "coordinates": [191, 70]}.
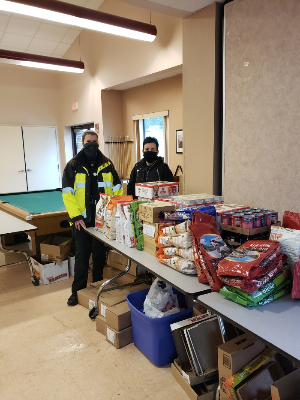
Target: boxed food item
{"type": "Point", "coordinates": [118, 316]}
{"type": "Point", "coordinates": [148, 212]}
{"type": "Point", "coordinates": [287, 387]}
{"type": "Point", "coordinates": [233, 355]}
{"type": "Point", "coordinates": [149, 245]}
{"type": "Point", "coordinates": [119, 338]}
{"type": "Point", "coordinates": [151, 190]}
{"type": "Point", "coordinates": [52, 272]}
{"type": "Point", "coordinates": [55, 248]}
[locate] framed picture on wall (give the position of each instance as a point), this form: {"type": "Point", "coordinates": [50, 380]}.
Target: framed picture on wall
{"type": "Point", "coordinates": [179, 141]}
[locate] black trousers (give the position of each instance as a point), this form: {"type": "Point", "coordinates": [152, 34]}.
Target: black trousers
{"type": "Point", "coordinates": [85, 244]}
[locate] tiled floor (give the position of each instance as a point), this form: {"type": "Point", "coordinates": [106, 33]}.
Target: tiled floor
{"type": "Point", "coordinates": [51, 351]}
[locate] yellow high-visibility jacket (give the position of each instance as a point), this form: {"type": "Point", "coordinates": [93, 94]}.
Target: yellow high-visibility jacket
{"type": "Point", "coordinates": [76, 185]}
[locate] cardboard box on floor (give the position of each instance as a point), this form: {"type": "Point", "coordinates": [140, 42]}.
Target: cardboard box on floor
{"type": "Point", "coordinates": [110, 272]}
{"type": "Point", "coordinates": [119, 338]}
{"type": "Point", "coordinates": [258, 384]}
{"type": "Point", "coordinates": [87, 296]}
{"type": "Point", "coordinates": [100, 324]}
{"type": "Point", "coordinates": [235, 354]}
{"type": "Point", "coordinates": [287, 388]}
{"type": "Point", "coordinates": [118, 261]}
{"type": "Point", "coordinates": [118, 316]}
{"type": "Point", "coordinates": [55, 248]}
{"type": "Point", "coordinates": [196, 392]}
{"type": "Point", "coordinates": [108, 299]}
{"type": "Point", "coordinates": [52, 272]}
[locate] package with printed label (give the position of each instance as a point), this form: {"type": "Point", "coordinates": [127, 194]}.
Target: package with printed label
{"type": "Point", "coordinates": [101, 208]}
{"type": "Point", "coordinates": [151, 190]}
{"type": "Point", "coordinates": [110, 230]}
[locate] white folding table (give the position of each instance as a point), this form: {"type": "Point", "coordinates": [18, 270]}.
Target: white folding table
{"type": "Point", "coordinates": [186, 284]}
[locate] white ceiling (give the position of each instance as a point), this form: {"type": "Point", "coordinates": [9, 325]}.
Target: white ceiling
{"type": "Point", "coordinates": [37, 36]}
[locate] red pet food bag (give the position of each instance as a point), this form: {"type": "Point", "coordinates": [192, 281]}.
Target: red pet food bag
{"type": "Point", "coordinates": [247, 260]}
{"type": "Point", "coordinates": [200, 217]}
{"type": "Point", "coordinates": [211, 249]}
{"type": "Point", "coordinates": [291, 220]}
{"type": "Point", "coordinates": [296, 281]}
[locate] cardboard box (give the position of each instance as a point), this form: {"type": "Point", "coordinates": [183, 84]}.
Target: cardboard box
{"type": "Point", "coordinates": [100, 324]}
{"type": "Point", "coordinates": [55, 248]}
{"type": "Point", "coordinates": [119, 338]}
{"type": "Point", "coordinates": [118, 316]}
{"type": "Point", "coordinates": [52, 272]}
{"type": "Point", "coordinates": [258, 385]}
{"type": "Point", "coordinates": [249, 232]}
{"type": "Point", "coordinates": [287, 388]}
{"type": "Point", "coordinates": [151, 190]}
{"type": "Point", "coordinates": [150, 229]}
{"type": "Point", "coordinates": [233, 355]}
{"type": "Point", "coordinates": [110, 272]}
{"type": "Point", "coordinates": [110, 298]}
{"type": "Point", "coordinates": [87, 296]}
{"type": "Point", "coordinates": [149, 245]}
{"type": "Point", "coordinates": [196, 392]}
{"type": "Point", "coordinates": [191, 378]}
{"type": "Point", "coordinates": [148, 212]}
{"type": "Point", "coordinates": [117, 260]}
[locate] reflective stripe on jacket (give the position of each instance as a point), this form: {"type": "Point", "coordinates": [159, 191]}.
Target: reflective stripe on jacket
{"type": "Point", "coordinates": [76, 185]}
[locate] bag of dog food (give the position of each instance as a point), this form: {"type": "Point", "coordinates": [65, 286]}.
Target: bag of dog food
{"type": "Point", "coordinates": [185, 266]}
{"type": "Point", "coordinates": [178, 229]}
{"type": "Point", "coordinates": [101, 207]}
{"type": "Point", "coordinates": [275, 286]}
{"type": "Point", "coordinates": [248, 259]}
{"type": "Point", "coordinates": [196, 253]}
{"type": "Point", "coordinates": [137, 224]}
{"type": "Point", "coordinates": [250, 285]}
{"type": "Point", "coordinates": [128, 228]}
{"type": "Point", "coordinates": [211, 250]}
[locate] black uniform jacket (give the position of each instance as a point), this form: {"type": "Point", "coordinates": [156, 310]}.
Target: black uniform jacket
{"type": "Point", "coordinates": [158, 171]}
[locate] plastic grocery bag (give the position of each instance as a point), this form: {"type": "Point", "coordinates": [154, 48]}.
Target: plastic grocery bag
{"type": "Point", "coordinates": [160, 302]}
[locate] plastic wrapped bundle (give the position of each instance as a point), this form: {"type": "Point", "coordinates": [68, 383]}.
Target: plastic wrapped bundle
{"type": "Point", "coordinates": [185, 266]}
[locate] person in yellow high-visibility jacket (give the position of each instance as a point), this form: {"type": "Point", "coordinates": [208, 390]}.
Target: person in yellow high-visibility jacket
{"type": "Point", "coordinates": [85, 176]}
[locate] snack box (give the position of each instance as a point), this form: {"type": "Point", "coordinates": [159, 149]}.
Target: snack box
{"type": "Point", "coordinates": [151, 190]}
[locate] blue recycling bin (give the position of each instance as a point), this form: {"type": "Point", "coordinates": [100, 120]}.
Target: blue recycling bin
{"type": "Point", "coordinates": [153, 336]}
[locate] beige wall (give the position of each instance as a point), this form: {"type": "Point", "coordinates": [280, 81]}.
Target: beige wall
{"type": "Point", "coordinates": [28, 96]}
{"type": "Point", "coordinates": [262, 163]}
{"type": "Point", "coordinates": [198, 100]}
{"type": "Point", "coordinates": [110, 60]}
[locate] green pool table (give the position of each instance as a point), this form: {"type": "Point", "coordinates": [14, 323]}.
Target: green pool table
{"type": "Point", "coordinates": [44, 209]}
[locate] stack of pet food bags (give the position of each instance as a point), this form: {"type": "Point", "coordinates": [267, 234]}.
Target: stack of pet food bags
{"type": "Point", "coordinates": [129, 228]}
{"type": "Point", "coordinates": [208, 249]}
{"type": "Point", "coordinates": [255, 273]}
{"type": "Point", "coordinates": [174, 243]}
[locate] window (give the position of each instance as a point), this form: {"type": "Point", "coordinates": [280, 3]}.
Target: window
{"type": "Point", "coordinates": [154, 125]}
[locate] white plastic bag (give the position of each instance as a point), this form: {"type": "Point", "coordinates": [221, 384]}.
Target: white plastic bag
{"type": "Point", "coordinates": [160, 302]}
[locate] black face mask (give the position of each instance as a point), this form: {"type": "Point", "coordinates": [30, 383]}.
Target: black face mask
{"type": "Point", "coordinates": [150, 156]}
{"type": "Point", "coordinates": [90, 150]}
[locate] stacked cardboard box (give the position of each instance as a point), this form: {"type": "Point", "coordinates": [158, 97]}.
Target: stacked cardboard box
{"type": "Point", "coordinates": [148, 213]}
{"type": "Point", "coordinates": [120, 262]}
{"type": "Point", "coordinates": [116, 325]}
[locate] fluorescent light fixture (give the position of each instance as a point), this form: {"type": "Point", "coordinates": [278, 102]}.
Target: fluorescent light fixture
{"type": "Point", "coordinates": [35, 61]}
{"type": "Point", "coordinates": [70, 14]}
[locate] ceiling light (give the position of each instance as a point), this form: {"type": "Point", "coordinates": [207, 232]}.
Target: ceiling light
{"type": "Point", "coordinates": [70, 14]}
{"type": "Point", "coordinates": [35, 61]}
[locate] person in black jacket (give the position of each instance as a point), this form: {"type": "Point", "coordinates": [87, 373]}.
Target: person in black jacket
{"type": "Point", "coordinates": [151, 168]}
